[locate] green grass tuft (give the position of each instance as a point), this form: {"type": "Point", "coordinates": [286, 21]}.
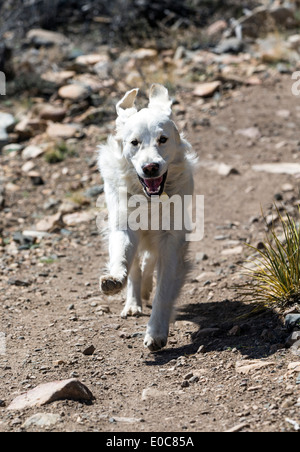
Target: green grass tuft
{"type": "Point", "coordinates": [275, 278]}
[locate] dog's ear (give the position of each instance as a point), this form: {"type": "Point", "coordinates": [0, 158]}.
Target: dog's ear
{"type": "Point", "coordinates": [126, 105]}
{"type": "Point", "coordinates": [159, 99]}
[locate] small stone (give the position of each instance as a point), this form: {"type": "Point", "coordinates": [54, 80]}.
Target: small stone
{"type": "Point", "coordinates": [62, 131]}
{"type": "Point", "coordinates": [50, 223]}
{"type": "Point", "coordinates": [232, 251]}
{"type": "Point", "coordinates": [73, 92]}
{"type": "Point", "coordinates": [235, 331]}
{"type": "Point", "coordinates": [89, 351]}
{"type": "Point", "coordinates": [32, 152]}
{"type": "Point", "coordinates": [50, 392]}
{"type": "Point", "coordinates": [36, 178]}
{"type": "Point", "coordinates": [40, 37]}
{"type": "Point", "coordinates": [293, 338]}
{"type": "Point", "coordinates": [246, 366]}
{"type": "Point", "coordinates": [278, 168]}
{"type": "Point", "coordinates": [217, 27]}
{"type": "Point", "coordinates": [188, 376]}
{"type": "Point", "coordinates": [201, 349]}
{"type": "Point", "coordinates": [152, 393]}
{"type": "Point", "coordinates": [144, 54]}
{"type": "Point", "coordinates": [42, 420]}
{"type": "Point", "coordinates": [201, 257]}
{"type": "Point", "coordinates": [53, 113]}
{"type": "Point", "coordinates": [207, 89]}
{"type": "Point", "coordinates": [292, 320]}
{"type": "Point", "coordinates": [94, 191]}
{"type": "Point", "coordinates": [252, 133]}
{"type": "Point", "coordinates": [78, 217]}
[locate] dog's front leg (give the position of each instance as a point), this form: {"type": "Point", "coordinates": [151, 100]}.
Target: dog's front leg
{"type": "Point", "coordinates": [122, 249]}
{"type": "Point", "coordinates": [171, 272]}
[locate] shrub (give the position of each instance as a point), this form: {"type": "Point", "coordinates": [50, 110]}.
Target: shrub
{"type": "Point", "coordinates": [274, 279]}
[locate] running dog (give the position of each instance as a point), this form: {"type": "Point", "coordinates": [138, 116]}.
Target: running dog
{"type": "Point", "coordinates": [148, 158]}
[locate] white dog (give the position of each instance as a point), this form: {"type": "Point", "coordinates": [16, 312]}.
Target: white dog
{"type": "Point", "coordinates": [147, 157]}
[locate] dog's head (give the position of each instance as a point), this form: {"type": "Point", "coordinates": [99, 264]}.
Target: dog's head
{"type": "Point", "coordinates": [150, 139]}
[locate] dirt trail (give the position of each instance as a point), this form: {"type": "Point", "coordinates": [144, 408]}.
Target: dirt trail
{"type": "Point", "coordinates": [199, 382]}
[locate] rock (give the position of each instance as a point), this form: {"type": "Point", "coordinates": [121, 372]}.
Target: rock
{"type": "Point", "coordinates": [232, 251]}
{"type": "Point", "coordinates": [152, 393]}
{"type": "Point", "coordinates": [46, 393]}
{"type": "Point", "coordinates": [2, 197]}
{"type": "Point", "coordinates": [6, 121]}
{"type": "Point", "coordinates": [238, 427]}
{"type": "Point", "coordinates": [216, 28]}
{"type": "Point", "coordinates": [246, 366]}
{"type": "Point", "coordinates": [295, 348]}
{"type": "Point", "coordinates": [293, 338]}
{"type": "Point", "coordinates": [62, 131]}
{"type": "Point", "coordinates": [74, 92]}
{"type": "Point", "coordinates": [287, 188]}
{"type": "Point", "coordinates": [12, 147]}
{"type": "Point", "coordinates": [28, 127]}
{"type": "Point", "coordinates": [252, 133]}
{"type": "Point", "coordinates": [38, 235]}
{"type": "Point", "coordinates": [229, 45]}
{"type": "Point", "coordinates": [278, 168]}
{"type": "Point", "coordinates": [126, 420]}
{"type": "Point", "coordinates": [205, 332]}
{"type": "Point", "coordinates": [28, 166]}
{"type": "Point", "coordinates": [294, 42]}
{"type": "Point", "coordinates": [36, 178]}
{"type": "Point", "coordinates": [32, 152]}
{"type": "Point", "coordinates": [91, 60]}
{"type": "Point", "coordinates": [89, 351]}
{"type": "Point", "coordinates": [94, 191]}
{"type": "Point", "coordinates": [50, 223]}
{"type": "Point", "coordinates": [207, 89]}
{"type": "Point", "coordinates": [45, 38]}
{"type": "Point", "coordinates": [78, 217]}
{"type": "Point", "coordinates": [42, 420]}
{"type": "Point", "coordinates": [226, 170]}
{"type": "Point", "coordinates": [53, 113]}
{"type": "Point", "coordinates": [19, 282]}
{"type": "Point", "coordinates": [284, 114]}
{"type": "Point", "coordinates": [292, 320]}
{"type": "Point", "coordinates": [201, 257]}
{"type": "Point", "coordinates": [58, 78]}
{"type": "Point", "coordinates": [144, 54]}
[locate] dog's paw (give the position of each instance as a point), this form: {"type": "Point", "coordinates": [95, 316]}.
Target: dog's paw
{"type": "Point", "coordinates": [110, 285]}
{"type": "Point", "coordinates": [155, 343]}
{"type": "Point", "coordinates": [133, 310]}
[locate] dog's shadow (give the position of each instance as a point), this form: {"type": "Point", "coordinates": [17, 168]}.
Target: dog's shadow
{"type": "Point", "coordinates": [253, 330]}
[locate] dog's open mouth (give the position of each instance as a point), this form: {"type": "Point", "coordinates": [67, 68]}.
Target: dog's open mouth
{"type": "Point", "coordinates": [154, 186]}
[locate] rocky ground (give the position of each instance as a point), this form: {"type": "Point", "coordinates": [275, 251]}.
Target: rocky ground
{"type": "Point", "coordinates": [229, 365]}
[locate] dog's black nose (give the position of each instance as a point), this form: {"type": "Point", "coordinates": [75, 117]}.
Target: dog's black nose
{"type": "Point", "coordinates": [151, 169]}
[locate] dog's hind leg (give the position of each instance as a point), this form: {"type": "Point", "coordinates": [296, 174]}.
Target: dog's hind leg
{"type": "Point", "coordinates": [133, 304]}
{"type": "Point", "coordinates": [122, 250]}
{"type": "Point", "coordinates": [148, 266]}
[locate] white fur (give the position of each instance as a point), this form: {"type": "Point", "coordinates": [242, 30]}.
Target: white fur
{"type": "Point", "coordinates": [134, 255]}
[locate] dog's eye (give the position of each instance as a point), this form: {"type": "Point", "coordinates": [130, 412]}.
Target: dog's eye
{"type": "Point", "coordinates": [135, 143]}
{"type": "Point", "coordinates": [163, 140]}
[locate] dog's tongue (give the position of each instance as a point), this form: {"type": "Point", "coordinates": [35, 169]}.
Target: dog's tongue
{"type": "Point", "coordinates": [153, 184]}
